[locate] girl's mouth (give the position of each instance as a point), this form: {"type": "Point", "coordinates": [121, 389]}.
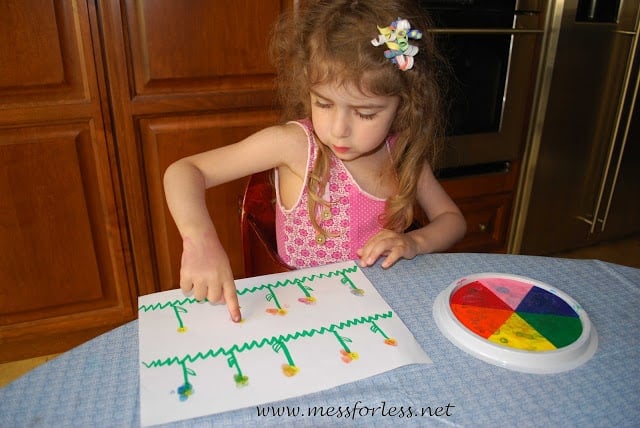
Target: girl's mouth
{"type": "Point", "coordinates": [339, 149]}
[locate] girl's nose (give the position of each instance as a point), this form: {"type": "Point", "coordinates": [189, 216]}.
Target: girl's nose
{"type": "Point", "coordinates": [341, 127]}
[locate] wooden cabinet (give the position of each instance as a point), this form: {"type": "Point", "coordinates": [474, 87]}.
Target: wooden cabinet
{"type": "Point", "coordinates": [184, 77]}
{"type": "Point", "coordinates": [64, 272]}
{"type": "Point", "coordinates": [97, 98]}
{"type": "Point", "coordinates": [486, 201]}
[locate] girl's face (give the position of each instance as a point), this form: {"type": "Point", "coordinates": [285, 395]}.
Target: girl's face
{"type": "Point", "coordinates": [350, 123]}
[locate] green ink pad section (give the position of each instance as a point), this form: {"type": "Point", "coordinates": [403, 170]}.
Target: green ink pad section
{"type": "Point", "coordinates": [560, 330]}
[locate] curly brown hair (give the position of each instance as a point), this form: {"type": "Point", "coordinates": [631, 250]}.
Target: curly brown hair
{"type": "Point", "coordinates": [329, 41]}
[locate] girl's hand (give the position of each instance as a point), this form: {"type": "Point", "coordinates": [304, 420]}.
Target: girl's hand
{"type": "Point", "coordinates": [387, 243]}
{"type": "Point", "coordinates": [205, 271]}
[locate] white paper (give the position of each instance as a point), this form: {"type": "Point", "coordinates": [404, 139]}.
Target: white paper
{"type": "Point", "coordinates": [302, 331]}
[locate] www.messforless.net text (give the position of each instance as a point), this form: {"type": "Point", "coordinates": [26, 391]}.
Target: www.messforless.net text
{"type": "Point", "coordinates": [357, 410]}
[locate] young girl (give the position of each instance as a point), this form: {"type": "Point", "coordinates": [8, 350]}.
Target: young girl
{"type": "Point", "coordinates": [361, 79]}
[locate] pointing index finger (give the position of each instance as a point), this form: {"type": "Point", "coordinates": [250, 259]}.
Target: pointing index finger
{"type": "Point", "coordinates": [231, 298]}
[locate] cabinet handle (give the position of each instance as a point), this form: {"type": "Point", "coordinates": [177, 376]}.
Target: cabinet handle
{"type": "Point", "coordinates": [482, 227]}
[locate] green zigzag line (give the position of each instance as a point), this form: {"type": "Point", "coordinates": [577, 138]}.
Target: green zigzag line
{"type": "Point", "coordinates": [285, 283]}
{"type": "Point", "coordinates": [295, 281]}
{"type": "Point", "coordinates": [157, 306]}
{"type": "Point", "coordinates": [247, 346]}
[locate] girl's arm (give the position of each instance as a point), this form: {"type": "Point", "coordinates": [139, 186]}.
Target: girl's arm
{"type": "Point", "coordinates": [446, 227]}
{"type": "Point", "coordinates": [446, 223]}
{"type": "Point", "coordinates": [205, 268]}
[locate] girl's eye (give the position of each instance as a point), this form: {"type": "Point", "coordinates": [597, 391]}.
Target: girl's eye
{"type": "Point", "coordinates": [322, 105]}
{"type": "Point", "coordinates": [367, 116]}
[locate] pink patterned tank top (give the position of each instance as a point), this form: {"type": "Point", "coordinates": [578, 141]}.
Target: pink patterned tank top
{"type": "Point", "coordinates": [352, 219]}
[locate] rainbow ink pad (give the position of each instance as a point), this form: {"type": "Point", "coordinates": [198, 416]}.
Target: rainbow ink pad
{"type": "Point", "coordinates": [515, 322]}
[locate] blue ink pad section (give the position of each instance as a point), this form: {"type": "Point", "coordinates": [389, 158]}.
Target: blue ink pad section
{"type": "Point", "coordinates": [540, 301]}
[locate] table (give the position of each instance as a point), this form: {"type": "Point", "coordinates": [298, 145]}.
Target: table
{"type": "Point", "coordinates": [96, 384]}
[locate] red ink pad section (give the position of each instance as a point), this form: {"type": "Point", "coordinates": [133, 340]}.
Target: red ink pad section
{"type": "Point", "coordinates": [508, 290]}
{"type": "Point", "coordinates": [482, 321]}
{"type": "Point", "coordinates": [476, 294]}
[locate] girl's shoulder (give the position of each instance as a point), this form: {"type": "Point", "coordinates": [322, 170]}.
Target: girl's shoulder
{"type": "Point", "coordinates": [294, 135]}
{"type": "Point", "coordinates": [292, 130]}
{"type": "Point", "coordinates": [291, 141]}
{"type": "Point", "coordinates": [300, 130]}
{"type": "Point", "coordinates": [288, 135]}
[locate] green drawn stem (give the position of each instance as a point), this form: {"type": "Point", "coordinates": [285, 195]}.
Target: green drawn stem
{"type": "Point", "coordinates": [346, 280]}
{"type": "Point", "coordinates": [233, 363]}
{"type": "Point", "coordinates": [303, 288]}
{"type": "Point", "coordinates": [342, 342]}
{"type": "Point", "coordinates": [185, 373]}
{"type": "Point", "coordinates": [273, 297]}
{"type": "Point", "coordinates": [177, 311]}
{"type": "Point", "coordinates": [283, 347]}
{"type": "Point", "coordinates": [376, 329]}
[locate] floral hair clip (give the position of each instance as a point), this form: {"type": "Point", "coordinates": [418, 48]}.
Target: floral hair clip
{"type": "Point", "coordinates": [396, 36]}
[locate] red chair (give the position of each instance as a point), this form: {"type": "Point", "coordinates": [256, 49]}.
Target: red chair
{"type": "Point", "coordinates": [257, 226]}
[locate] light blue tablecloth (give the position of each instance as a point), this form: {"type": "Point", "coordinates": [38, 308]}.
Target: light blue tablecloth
{"type": "Point", "coordinates": [96, 384]}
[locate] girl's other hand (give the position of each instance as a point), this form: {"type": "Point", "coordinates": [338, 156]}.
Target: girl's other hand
{"type": "Point", "coordinates": [387, 243]}
{"type": "Point", "coordinates": [206, 273]}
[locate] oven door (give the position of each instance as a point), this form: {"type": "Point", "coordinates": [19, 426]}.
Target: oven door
{"type": "Point", "coordinates": [492, 48]}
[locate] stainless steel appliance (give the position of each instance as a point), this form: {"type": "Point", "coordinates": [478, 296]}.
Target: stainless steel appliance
{"type": "Point", "coordinates": [582, 185]}
{"type": "Point", "coordinates": [492, 46]}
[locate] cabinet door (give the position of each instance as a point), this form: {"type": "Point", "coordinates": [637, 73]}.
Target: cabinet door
{"type": "Point", "coordinates": [486, 201]}
{"type": "Point", "coordinates": [167, 139]}
{"type": "Point", "coordinates": [184, 77]}
{"type": "Point", "coordinates": [487, 223]}
{"type": "Point", "coordinates": [63, 275]}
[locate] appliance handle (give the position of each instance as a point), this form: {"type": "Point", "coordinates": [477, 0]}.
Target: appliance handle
{"type": "Point", "coordinates": [593, 220]}
{"type": "Point", "coordinates": [592, 9]}
{"type": "Point", "coordinates": [620, 154]}
{"type": "Point", "coordinates": [498, 31]}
